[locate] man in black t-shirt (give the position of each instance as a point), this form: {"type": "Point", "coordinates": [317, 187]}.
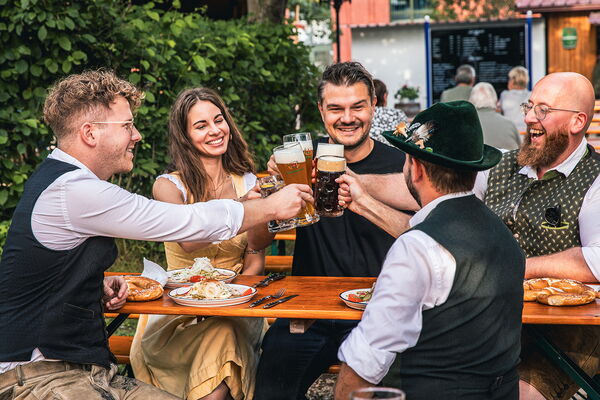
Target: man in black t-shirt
{"type": "Point", "coordinates": [349, 245]}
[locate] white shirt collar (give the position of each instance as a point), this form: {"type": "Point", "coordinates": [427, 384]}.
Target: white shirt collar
{"type": "Point", "coordinates": [58, 154]}
{"type": "Point", "coordinates": [565, 168]}
{"type": "Point", "coordinates": [424, 212]}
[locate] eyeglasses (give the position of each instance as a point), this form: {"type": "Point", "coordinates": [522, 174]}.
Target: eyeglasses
{"type": "Point", "coordinates": [553, 217]}
{"type": "Point", "coordinates": [541, 110]}
{"type": "Point", "coordinates": [129, 125]}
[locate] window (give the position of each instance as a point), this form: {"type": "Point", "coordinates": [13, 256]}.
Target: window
{"type": "Point", "coordinates": [409, 9]}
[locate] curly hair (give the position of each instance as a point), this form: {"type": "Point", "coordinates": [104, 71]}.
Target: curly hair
{"type": "Point", "coordinates": [186, 157]}
{"type": "Point", "coordinates": [87, 94]}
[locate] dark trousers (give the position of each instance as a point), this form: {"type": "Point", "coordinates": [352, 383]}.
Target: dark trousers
{"type": "Point", "coordinates": [291, 362]}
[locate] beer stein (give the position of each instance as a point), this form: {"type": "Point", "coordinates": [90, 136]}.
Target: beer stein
{"type": "Point", "coordinates": [329, 168]}
{"type": "Point", "coordinates": [291, 163]}
{"type": "Point", "coordinates": [307, 147]}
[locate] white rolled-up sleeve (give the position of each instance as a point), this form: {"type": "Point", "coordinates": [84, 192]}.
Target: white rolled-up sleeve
{"type": "Point", "coordinates": [417, 275]}
{"type": "Point", "coordinates": [80, 206]}
{"type": "Point", "coordinates": [589, 228]}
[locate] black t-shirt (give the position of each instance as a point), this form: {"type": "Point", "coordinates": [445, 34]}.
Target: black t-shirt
{"type": "Point", "coordinates": [349, 245]}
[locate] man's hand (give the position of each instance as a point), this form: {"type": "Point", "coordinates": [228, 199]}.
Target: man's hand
{"type": "Point", "coordinates": [347, 382]}
{"type": "Point", "coordinates": [287, 202]}
{"type": "Point", "coordinates": [115, 292]}
{"type": "Point", "coordinates": [351, 193]}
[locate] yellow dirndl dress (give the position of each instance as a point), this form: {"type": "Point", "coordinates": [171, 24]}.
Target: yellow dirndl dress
{"type": "Point", "coordinates": [190, 356]}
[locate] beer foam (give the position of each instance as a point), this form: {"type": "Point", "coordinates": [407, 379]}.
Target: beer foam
{"type": "Point", "coordinates": [331, 164]}
{"type": "Point", "coordinates": [289, 155]}
{"type": "Point", "coordinates": [306, 144]}
{"type": "Point", "coordinates": [330, 149]}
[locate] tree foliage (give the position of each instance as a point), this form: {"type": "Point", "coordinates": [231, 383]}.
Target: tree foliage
{"type": "Point", "coordinates": [464, 10]}
{"type": "Point", "coordinates": [266, 79]}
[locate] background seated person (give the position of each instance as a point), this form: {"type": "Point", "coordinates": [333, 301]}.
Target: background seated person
{"type": "Point", "coordinates": [385, 118]}
{"type": "Point", "coordinates": [465, 79]}
{"type": "Point", "coordinates": [498, 131]}
{"type": "Point", "coordinates": [516, 94]}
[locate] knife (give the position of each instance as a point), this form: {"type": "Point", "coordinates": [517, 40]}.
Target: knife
{"type": "Point", "coordinates": [274, 303]}
{"type": "Point", "coordinates": [259, 301]}
{"type": "Point", "coordinates": [271, 278]}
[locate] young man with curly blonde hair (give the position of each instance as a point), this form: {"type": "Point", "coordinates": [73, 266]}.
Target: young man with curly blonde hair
{"type": "Point", "coordinates": [53, 341]}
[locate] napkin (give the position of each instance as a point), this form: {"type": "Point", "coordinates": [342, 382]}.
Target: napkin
{"type": "Point", "coordinates": [154, 271]}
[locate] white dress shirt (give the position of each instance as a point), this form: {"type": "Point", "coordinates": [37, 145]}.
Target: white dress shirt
{"type": "Point", "coordinates": [417, 275]}
{"type": "Point", "coordinates": [589, 214]}
{"type": "Point", "coordinates": [78, 205]}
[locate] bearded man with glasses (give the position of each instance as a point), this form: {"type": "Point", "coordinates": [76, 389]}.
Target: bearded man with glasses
{"type": "Point", "coordinates": [548, 194]}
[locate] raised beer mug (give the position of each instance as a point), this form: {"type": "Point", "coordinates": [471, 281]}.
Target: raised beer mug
{"type": "Point", "coordinates": [269, 185]}
{"type": "Point", "coordinates": [292, 166]}
{"type": "Point", "coordinates": [329, 168]}
{"type": "Point", "coordinates": [307, 147]}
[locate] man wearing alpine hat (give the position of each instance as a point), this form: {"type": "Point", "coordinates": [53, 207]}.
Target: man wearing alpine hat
{"type": "Point", "coordinates": [445, 318]}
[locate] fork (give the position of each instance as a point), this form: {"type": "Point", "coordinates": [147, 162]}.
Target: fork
{"type": "Point", "coordinates": [277, 295]}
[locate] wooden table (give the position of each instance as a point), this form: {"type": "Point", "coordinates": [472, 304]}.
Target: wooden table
{"type": "Point", "coordinates": [319, 299]}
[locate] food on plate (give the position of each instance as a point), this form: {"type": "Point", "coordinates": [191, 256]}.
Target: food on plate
{"type": "Point", "coordinates": [140, 288]}
{"type": "Point", "coordinates": [201, 269]}
{"type": "Point", "coordinates": [210, 289]}
{"type": "Point", "coordinates": [362, 295]}
{"type": "Point", "coordinates": [557, 292]}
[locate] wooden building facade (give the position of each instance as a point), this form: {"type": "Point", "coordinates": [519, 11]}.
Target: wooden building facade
{"type": "Point", "coordinates": [571, 35]}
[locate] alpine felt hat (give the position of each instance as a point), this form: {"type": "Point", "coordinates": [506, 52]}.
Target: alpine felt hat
{"type": "Point", "coordinates": [446, 134]}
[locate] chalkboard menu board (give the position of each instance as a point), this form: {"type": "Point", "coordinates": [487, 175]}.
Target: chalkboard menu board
{"type": "Point", "coordinates": [492, 51]}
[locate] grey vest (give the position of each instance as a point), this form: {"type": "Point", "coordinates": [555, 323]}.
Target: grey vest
{"type": "Point", "coordinates": [530, 207]}
{"type": "Point", "coordinates": [472, 341]}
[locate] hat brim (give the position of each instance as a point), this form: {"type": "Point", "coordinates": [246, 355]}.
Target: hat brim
{"type": "Point", "coordinates": [491, 155]}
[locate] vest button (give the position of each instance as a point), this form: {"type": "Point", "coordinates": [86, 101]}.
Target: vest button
{"type": "Point", "coordinates": [516, 235]}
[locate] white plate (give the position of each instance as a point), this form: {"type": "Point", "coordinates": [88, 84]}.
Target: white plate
{"type": "Point", "coordinates": [221, 271]}
{"type": "Point", "coordinates": [354, 304]}
{"type": "Point", "coordinates": [174, 294]}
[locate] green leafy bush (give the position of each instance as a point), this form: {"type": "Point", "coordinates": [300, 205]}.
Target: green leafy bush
{"type": "Point", "coordinates": [265, 78]}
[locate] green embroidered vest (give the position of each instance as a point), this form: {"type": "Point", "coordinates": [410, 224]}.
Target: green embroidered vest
{"type": "Point", "coordinates": [529, 207]}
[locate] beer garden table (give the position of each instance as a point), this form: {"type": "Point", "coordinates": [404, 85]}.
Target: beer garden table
{"type": "Point", "coordinates": [319, 299]}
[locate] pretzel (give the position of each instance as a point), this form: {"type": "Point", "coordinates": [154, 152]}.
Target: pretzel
{"type": "Point", "coordinates": [558, 292]}
{"type": "Point", "coordinates": [142, 289]}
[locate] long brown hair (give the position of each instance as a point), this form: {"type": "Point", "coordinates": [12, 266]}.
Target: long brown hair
{"type": "Point", "coordinates": [186, 157]}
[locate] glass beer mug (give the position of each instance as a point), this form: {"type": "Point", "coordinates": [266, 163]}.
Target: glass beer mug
{"type": "Point", "coordinates": [307, 147]}
{"type": "Point", "coordinates": [292, 166]}
{"type": "Point", "coordinates": [269, 185]}
{"type": "Point", "coordinates": [329, 168]}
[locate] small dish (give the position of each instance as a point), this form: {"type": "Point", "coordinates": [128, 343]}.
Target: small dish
{"type": "Point", "coordinates": [357, 305]}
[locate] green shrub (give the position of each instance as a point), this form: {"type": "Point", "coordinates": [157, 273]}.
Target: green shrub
{"type": "Point", "coordinates": [265, 78]}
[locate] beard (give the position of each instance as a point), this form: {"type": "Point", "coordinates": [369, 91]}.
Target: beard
{"type": "Point", "coordinates": [411, 187]}
{"type": "Point", "coordinates": [546, 154]}
{"type": "Point", "coordinates": [361, 139]}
